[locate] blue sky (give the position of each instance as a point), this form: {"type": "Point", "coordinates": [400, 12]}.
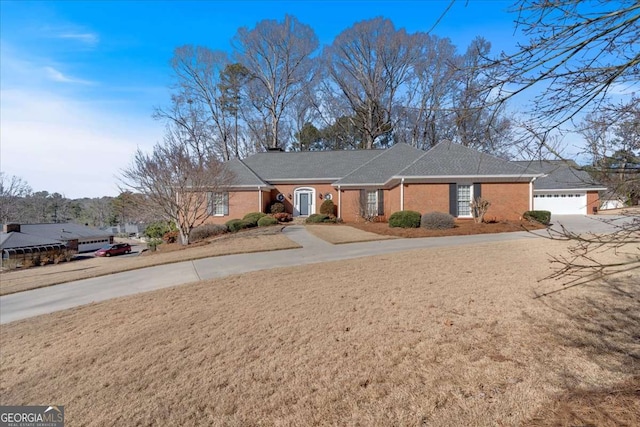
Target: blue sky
{"type": "Point", "coordinates": [79, 80]}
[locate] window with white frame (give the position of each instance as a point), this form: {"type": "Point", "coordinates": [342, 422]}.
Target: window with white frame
{"type": "Point", "coordinates": [218, 204]}
{"type": "Point", "coordinates": [372, 203]}
{"type": "Point", "coordinates": [464, 200]}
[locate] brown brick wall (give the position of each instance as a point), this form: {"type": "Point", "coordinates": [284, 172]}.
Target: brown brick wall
{"type": "Point", "coordinates": [593, 200]}
{"type": "Point", "coordinates": [288, 189]}
{"type": "Point", "coordinates": [240, 204]}
{"type": "Point", "coordinates": [426, 198]}
{"type": "Point", "coordinates": [509, 200]}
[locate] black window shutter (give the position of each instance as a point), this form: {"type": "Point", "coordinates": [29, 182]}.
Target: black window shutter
{"type": "Point", "coordinates": [381, 202]}
{"type": "Point", "coordinates": [477, 190]}
{"type": "Point", "coordinates": [453, 199]}
{"type": "Point", "coordinates": [363, 202]}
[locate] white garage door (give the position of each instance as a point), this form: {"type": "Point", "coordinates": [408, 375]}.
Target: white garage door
{"type": "Point", "coordinates": [561, 203]}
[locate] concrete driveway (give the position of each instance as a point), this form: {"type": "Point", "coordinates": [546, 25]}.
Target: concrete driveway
{"type": "Point", "coordinates": [598, 224]}
{"type": "Point", "coordinates": [314, 250]}
{"type": "Point", "coordinates": [35, 302]}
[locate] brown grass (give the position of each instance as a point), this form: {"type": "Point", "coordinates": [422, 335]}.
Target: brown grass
{"type": "Point", "coordinates": [462, 228]}
{"type": "Point", "coordinates": [340, 234]}
{"type": "Point", "coordinates": [450, 336]}
{"type": "Point", "coordinates": [259, 240]}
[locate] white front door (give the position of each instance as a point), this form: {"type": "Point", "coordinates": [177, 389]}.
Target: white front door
{"type": "Point", "coordinates": [304, 202]}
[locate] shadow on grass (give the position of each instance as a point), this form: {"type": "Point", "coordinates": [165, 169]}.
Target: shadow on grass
{"type": "Point", "coordinates": [605, 327]}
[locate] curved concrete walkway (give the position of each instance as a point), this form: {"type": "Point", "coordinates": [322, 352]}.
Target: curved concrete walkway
{"type": "Point", "coordinates": [35, 302]}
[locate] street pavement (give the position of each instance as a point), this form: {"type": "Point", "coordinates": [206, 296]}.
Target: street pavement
{"type": "Point", "coordinates": [36, 302]}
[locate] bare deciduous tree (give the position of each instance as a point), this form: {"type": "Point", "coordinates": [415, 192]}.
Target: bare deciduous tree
{"type": "Point", "coordinates": [176, 178]}
{"type": "Point", "coordinates": [12, 189]}
{"type": "Point", "coordinates": [278, 58]}
{"type": "Point", "coordinates": [368, 64]}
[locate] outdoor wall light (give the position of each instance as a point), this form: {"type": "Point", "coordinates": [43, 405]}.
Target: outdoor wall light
{"type": "Point", "coordinates": [290, 196]}
{"type": "Point", "coordinates": [320, 196]}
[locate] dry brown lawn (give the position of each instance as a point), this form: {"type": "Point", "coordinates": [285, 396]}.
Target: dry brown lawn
{"type": "Point", "coordinates": [340, 234]}
{"type": "Point", "coordinates": [443, 337]}
{"type": "Point", "coordinates": [259, 240]}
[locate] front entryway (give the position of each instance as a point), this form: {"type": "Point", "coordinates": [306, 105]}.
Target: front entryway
{"type": "Point", "coordinates": [304, 203]}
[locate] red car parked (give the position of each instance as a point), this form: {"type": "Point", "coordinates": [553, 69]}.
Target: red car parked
{"type": "Point", "coordinates": [114, 249]}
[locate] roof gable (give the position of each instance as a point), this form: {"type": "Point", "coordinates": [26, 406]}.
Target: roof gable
{"type": "Point", "coordinates": [560, 174]}
{"type": "Point", "coordinates": [380, 169]}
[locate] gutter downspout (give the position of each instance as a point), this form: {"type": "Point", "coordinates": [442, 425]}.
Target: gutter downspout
{"type": "Point", "coordinates": [402, 194]}
{"type": "Point", "coordinates": [259, 198]}
{"type": "Point", "coordinates": [339, 202]}
{"type": "Point", "coordinates": [531, 193]}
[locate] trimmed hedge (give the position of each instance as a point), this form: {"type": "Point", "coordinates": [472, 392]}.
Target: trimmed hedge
{"type": "Point", "coordinates": [405, 219]}
{"type": "Point", "coordinates": [317, 218]}
{"type": "Point", "coordinates": [543, 217]}
{"type": "Point", "coordinates": [437, 221]}
{"type": "Point", "coordinates": [328, 207]}
{"type": "Point", "coordinates": [283, 216]}
{"type": "Point", "coordinates": [266, 221]}
{"type": "Point", "coordinates": [207, 230]}
{"type": "Point", "coordinates": [238, 224]}
{"type": "Point", "coordinates": [276, 207]}
{"type": "Point", "coordinates": [253, 218]}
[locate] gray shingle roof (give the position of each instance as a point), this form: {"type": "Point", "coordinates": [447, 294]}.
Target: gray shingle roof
{"type": "Point", "coordinates": [308, 165]}
{"type": "Point", "coordinates": [15, 240]}
{"type": "Point", "coordinates": [560, 175]}
{"type": "Point", "coordinates": [243, 176]}
{"type": "Point", "coordinates": [65, 231]}
{"type": "Point", "coordinates": [381, 168]}
{"type": "Point", "coordinates": [451, 159]}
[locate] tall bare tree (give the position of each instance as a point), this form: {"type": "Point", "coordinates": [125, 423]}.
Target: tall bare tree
{"type": "Point", "coordinates": [12, 190]}
{"type": "Point", "coordinates": [368, 63]}
{"type": "Point", "coordinates": [175, 177]}
{"type": "Point", "coordinates": [278, 56]}
{"type": "Point", "coordinates": [198, 105]}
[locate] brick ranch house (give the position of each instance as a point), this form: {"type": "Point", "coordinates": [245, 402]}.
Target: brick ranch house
{"type": "Point", "coordinates": [377, 183]}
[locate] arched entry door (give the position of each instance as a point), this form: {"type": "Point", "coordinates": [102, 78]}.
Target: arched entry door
{"type": "Point", "coordinates": [304, 203]}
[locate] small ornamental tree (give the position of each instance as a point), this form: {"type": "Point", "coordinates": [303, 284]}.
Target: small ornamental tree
{"type": "Point", "coordinates": [479, 208]}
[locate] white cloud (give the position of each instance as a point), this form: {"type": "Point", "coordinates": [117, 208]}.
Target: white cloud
{"type": "Point", "coordinates": [57, 76]}
{"type": "Point", "coordinates": [90, 39]}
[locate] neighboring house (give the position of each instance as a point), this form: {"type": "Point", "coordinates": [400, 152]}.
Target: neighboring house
{"type": "Point", "coordinates": [76, 237]}
{"type": "Point", "coordinates": [19, 246]}
{"type": "Point", "coordinates": [564, 189]}
{"type": "Point", "coordinates": [376, 183]}
{"type": "Point", "coordinates": [129, 229]}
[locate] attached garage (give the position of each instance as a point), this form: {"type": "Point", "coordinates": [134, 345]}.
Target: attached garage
{"type": "Point", "coordinates": [561, 202]}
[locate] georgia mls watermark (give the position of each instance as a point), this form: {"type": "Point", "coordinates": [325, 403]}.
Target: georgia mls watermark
{"type": "Point", "coordinates": [31, 416]}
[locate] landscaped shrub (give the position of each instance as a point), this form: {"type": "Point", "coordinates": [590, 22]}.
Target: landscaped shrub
{"type": "Point", "coordinates": [405, 219]}
{"type": "Point", "coordinates": [237, 224]}
{"type": "Point", "coordinates": [543, 217]}
{"type": "Point", "coordinates": [437, 221]}
{"type": "Point", "coordinates": [283, 216]}
{"type": "Point", "coordinates": [317, 218]}
{"type": "Point", "coordinates": [266, 221]}
{"type": "Point", "coordinates": [157, 229]}
{"type": "Point", "coordinates": [276, 207]}
{"type": "Point", "coordinates": [253, 217]}
{"type": "Point", "coordinates": [328, 207]}
{"type": "Point", "coordinates": [170, 237]}
{"type": "Point", "coordinates": [207, 230]}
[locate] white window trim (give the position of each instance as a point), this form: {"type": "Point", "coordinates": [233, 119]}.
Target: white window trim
{"type": "Point", "coordinates": [470, 199]}
{"type": "Point", "coordinates": [376, 203]}
{"type": "Point", "coordinates": [296, 200]}
{"type": "Point", "coordinates": [212, 206]}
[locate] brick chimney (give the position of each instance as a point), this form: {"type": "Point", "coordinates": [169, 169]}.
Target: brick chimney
{"type": "Point", "coordinates": [8, 228]}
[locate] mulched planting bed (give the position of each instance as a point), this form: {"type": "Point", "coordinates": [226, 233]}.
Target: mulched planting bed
{"type": "Point", "coordinates": [462, 228]}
